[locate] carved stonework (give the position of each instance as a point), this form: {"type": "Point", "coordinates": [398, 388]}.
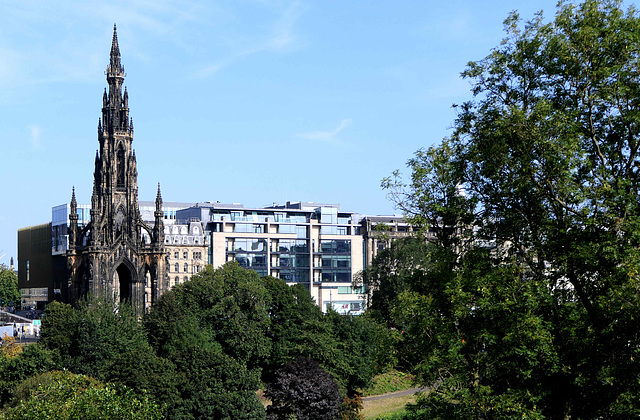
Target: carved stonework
{"type": "Point", "coordinates": [111, 255]}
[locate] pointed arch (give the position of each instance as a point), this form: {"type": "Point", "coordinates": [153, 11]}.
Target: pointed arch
{"type": "Point", "coordinates": [125, 277]}
{"type": "Point", "coordinates": [120, 166]}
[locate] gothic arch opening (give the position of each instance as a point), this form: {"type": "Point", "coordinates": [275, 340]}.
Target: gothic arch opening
{"type": "Point", "coordinates": [123, 282]}
{"type": "Point", "coordinates": [120, 166]}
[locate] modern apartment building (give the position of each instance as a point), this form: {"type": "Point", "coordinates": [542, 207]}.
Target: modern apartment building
{"type": "Point", "coordinates": [316, 245]}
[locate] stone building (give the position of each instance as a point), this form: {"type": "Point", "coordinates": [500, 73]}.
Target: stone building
{"type": "Point", "coordinates": [187, 247]}
{"type": "Point", "coordinates": [110, 254]}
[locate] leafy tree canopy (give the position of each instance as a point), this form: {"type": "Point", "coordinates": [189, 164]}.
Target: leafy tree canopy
{"type": "Point", "coordinates": [9, 292]}
{"type": "Point", "coordinates": [103, 339]}
{"type": "Point", "coordinates": [33, 360]}
{"type": "Point", "coordinates": [303, 390]}
{"type": "Point", "coordinates": [213, 328]}
{"type": "Point", "coordinates": [64, 395]}
{"type": "Point", "coordinates": [526, 300]}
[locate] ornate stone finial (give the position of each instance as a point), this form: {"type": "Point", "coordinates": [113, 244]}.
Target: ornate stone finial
{"type": "Point", "coordinates": [74, 203]}
{"type": "Point", "coordinates": [115, 69]}
{"type": "Point", "coordinates": [73, 213]}
{"type": "Point", "coordinates": [115, 49]}
{"type": "Point", "coordinates": [159, 199]}
{"type": "Point", "coordinates": [94, 197]}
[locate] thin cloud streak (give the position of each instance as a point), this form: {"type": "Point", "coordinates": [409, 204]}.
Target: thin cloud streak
{"type": "Point", "coordinates": [280, 39]}
{"type": "Point", "coordinates": [326, 136]}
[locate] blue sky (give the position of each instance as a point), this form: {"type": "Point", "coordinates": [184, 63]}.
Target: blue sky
{"type": "Point", "coordinates": [234, 101]}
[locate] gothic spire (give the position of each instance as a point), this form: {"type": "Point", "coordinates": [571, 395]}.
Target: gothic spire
{"type": "Point", "coordinates": [74, 203]}
{"type": "Point", "coordinates": [73, 218]}
{"type": "Point", "coordinates": [158, 227]}
{"type": "Point", "coordinates": [115, 104]}
{"type": "Point", "coordinates": [158, 199]}
{"type": "Point", "coordinates": [114, 61]}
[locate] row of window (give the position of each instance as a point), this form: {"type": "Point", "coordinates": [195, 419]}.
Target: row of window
{"type": "Point", "coordinates": [300, 231]}
{"type": "Point", "coordinates": [197, 255]}
{"type": "Point", "coordinates": [238, 244]}
{"type": "Point", "coordinates": [286, 246]}
{"type": "Point", "coordinates": [176, 268]}
{"type": "Point", "coordinates": [182, 240]}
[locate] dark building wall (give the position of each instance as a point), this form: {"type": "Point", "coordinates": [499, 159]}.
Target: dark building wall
{"type": "Point", "coordinates": [35, 263]}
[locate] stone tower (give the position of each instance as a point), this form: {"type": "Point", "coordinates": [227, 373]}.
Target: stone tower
{"type": "Point", "coordinates": [116, 253]}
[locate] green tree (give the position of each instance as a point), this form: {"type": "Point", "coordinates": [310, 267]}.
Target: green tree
{"type": "Point", "coordinates": [214, 329]}
{"type": "Point", "coordinates": [347, 347]}
{"type": "Point", "coordinates": [9, 292]}
{"type": "Point", "coordinates": [529, 293]}
{"type": "Point", "coordinates": [104, 339]}
{"type": "Point", "coordinates": [33, 360]}
{"type": "Point", "coordinates": [303, 390]}
{"type": "Point", "coordinates": [64, 395]}
{"type": "Point", "coordinates": [392, 271]}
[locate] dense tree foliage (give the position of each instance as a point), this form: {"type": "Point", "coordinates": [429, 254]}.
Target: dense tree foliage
{"type": "Point", "coordinates": [203, 351]}
{"type": "Point", "coordinates": [64, 395]}
{"type": "Point", "coordinates": [527, 299]}
{"type": "Point", "coordinates": [394, 270]}
{"type": "Point", "coordinates": [103, 339]}
{"type": "Point", "coordinates": [9, 292]}
{"type": "Point", "coordinates": [303, 390]}
{"type": "Point", "coordinates": [33, 360]}
{"type": "Point", "coordinates": [350, 348]}
{"type": "Point", "coordinates": [213, 328]}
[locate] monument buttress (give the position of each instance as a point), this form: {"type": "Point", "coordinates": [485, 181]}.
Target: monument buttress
{"type": "Point", "coordinates": [112, 255]}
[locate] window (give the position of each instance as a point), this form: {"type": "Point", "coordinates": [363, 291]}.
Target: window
{"type": "Point", "coordinates": [176, 255]}
{"type": "Point", "coordinates": [186, 278]}
{"type": "Point", "coordinates": [185, 254]}
{"type": "Point", "coordinates": [176, 281]}
{"type": "Point", "coordinates": [337, 246]}
{"type": "Point", "coordinates": [177, 267]}
{"type": "Point", "coordinates": [27, 265]}
{"type": "Point", "coordinates": [186, 267]}
{"type": "Point", "coordinates": [287, 228]}
{"type": "Point", "coordinates": [348, 290]}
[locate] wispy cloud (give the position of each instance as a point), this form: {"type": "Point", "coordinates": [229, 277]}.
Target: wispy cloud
{"type": "Point", "coordinates": [35, 137]}
{"type": "Point", "coordinates": [280, 38]}
{"type": "Point", "coordinates": [328, 136]}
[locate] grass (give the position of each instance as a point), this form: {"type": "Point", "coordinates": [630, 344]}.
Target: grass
{"type": "Point", "coordinates": [391, 381]}
{"type": "Point", "coordinates": [385, 383]}
{"type": "Point", "coordinates": [376, 408]}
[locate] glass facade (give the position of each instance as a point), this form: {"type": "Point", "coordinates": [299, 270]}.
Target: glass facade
{"type": "Point", "coordinates": [250, 253]}
{"type": "Point", "coordinates": [293, 260]}
{"type": "Point", "coordinates": [336, 260]}
{"type": "Point", "coordinates": [248, 228]}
